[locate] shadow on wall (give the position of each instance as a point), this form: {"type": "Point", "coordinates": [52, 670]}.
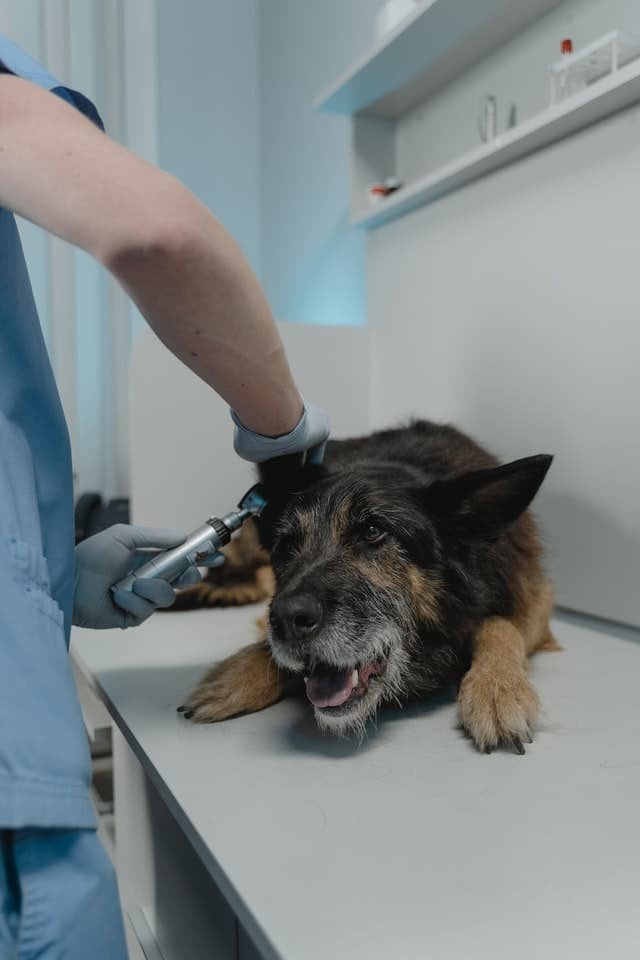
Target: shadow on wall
{"type": "Point", "coordinates": [592, 559]}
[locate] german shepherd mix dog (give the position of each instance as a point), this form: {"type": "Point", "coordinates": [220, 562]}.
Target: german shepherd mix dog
{"type": "Point", "coordinates": [406, 562]}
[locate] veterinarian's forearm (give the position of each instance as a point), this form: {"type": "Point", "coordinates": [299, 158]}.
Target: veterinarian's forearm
{"type": "Point", "coordinates": [201, 298]}
{"type": "Point", "coordinates": [178, 263]}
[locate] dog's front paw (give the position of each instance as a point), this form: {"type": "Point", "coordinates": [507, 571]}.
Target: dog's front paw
{"type": "Point", "coordinates": [498, 709]}
{"type": "Point", "coordinates": [243, 683]}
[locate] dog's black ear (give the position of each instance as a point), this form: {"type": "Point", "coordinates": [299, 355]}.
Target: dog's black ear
{"type": "Point", "coordinates": [483, 503]}
{"type": "Point", "coordinates": [282, 479]}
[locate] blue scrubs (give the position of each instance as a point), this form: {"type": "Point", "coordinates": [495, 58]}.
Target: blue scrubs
{"type": "Point", "coordinates": [55, 880]}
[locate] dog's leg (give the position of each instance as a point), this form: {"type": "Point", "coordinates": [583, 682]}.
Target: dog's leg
{"type": "Point", "coordinates": [533, 621]}
{"type": "Point", "coordinates": [497, 704]}
{"type": "Point", "coordinates": [210, 594]}
{"type": "Point", "coordinates": [246, 682]}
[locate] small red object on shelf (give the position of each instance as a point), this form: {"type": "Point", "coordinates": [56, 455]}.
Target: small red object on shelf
{"type": "Point", "coordinates": [378, 190]}
{"type": "Point", "coordinates": [566, 46]}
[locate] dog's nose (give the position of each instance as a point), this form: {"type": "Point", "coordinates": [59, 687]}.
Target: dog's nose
{"type": "Point", "coordinates": [301, 614]}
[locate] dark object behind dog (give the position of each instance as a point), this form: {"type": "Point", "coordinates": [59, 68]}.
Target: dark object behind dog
{"type": "Point", "coordinates": [406, 562]}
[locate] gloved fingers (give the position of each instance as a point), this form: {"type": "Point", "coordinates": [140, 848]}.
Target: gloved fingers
{"type": "Point", "coordinates": [136, 608]}
{"type": "Point", "coordinates": [157, 592]}
{"type": "Point", "coordinates": [136, 538]}
{"type": "Point", "coordinates": [189, 578]}
{"type": "Point", "coordinates": [213, 560]}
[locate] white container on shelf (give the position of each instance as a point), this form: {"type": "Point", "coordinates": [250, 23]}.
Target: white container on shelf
{"type": "Point", "coordinates": [391, 14]}
{"type": "Point", "coordinates": [575, 71]}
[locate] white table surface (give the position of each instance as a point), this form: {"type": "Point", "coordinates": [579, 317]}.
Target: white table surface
{"type": "Point", "coordinates": [411, 845]}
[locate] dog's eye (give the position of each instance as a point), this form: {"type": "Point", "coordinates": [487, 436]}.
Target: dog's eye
{"type": "Point", "coordinates": [372, 533]}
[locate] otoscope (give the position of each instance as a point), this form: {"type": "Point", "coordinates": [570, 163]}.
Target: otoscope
{"type": "Point", "coordinates": [199, 545]}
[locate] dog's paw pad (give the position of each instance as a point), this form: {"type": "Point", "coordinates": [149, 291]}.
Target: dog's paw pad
{"type": "Point", "coordinates": [498, 709]}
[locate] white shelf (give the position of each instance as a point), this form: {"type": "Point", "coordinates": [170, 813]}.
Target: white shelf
{"type": "Point", "coordinates": [433, 45]}
{"type": "Point", "coordinates": [615, 92]}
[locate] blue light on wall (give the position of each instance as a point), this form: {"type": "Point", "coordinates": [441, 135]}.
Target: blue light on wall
{"type": "Point", "coordinates": [330, 288]}
{"type": "Point", "coordinates": [313, 260]}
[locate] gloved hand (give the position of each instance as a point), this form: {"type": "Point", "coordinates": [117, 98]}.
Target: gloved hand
{"type": "Point", "coordinates": [310, 436]}
{"type": "Point", "coordinates": [109, 556]}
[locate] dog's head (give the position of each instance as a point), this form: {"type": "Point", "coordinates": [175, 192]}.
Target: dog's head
{"type": "Point", "coordinates": [364, 559]}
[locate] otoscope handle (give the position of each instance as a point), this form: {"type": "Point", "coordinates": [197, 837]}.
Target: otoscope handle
{"type": "Point", "coordinates": [199, 545]}
{"type": "Point", "coordinates": [171, 564]}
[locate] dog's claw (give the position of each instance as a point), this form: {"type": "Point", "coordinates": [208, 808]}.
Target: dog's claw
{"type": "Point", "coordinates": [518, 746]}
{"type": "Point", "coordinates": [187, 714]}
{"type": "Point", "coordinates": [181, 708]}
{"type": "Point", "coordinates": [529, 738]}
{"type": "Point", "coordinates": [488, 749]}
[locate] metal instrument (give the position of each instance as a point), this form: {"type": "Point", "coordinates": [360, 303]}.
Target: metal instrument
{"type": "Point", "coordinates": [199, 545]}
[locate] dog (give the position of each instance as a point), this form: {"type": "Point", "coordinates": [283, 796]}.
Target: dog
{"type": "Point", "coordinates": [408, 561]}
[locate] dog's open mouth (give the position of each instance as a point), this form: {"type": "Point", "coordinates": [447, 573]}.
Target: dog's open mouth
{"type": "Point", "coordinates": [332, 688]}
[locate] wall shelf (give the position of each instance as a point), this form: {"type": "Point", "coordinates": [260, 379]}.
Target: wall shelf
{"type": "Point", "coordinates": [607, 96]}
{"type": "Point", "coordinates": [436, 43]}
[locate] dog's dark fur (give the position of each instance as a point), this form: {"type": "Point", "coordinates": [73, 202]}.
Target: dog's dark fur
{"type": "Point", "coordinates": [410, 556]}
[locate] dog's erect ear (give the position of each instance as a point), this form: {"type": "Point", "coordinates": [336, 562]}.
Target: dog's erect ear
{"type": "Point", "coordinates": [484, 503]}
{"type": "Point", "coordinates": [281, 479]}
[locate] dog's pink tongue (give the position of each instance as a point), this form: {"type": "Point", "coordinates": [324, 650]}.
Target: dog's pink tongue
{"type": "Point", "coordinates": [329, 688]}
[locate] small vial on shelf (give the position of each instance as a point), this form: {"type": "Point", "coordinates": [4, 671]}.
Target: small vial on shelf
{"type": "Point", "coordinates": [567, 78]}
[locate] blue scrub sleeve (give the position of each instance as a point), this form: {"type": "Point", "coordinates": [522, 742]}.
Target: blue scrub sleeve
{"type": "Point", "coordinates": [15, 61]}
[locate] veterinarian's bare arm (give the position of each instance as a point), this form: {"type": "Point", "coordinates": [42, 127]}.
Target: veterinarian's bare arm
{"type": "Point", "coordinates": [181, 267]}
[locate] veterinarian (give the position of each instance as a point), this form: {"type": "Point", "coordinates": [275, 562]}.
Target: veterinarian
{"type": "Point", "coordinates": [58, 896]}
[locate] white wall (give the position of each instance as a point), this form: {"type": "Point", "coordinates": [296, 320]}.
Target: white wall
{"type": "Point", "coordinates": [202, 475]}
{"type": "Point", "coordinates": [511, 307]}
{"type": "Point", "coordinates": [313, 262]}
{"type": "Point", "coordinates": [208, 108]}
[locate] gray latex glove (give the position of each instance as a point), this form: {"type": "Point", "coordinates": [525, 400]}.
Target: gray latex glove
{"type": "Point", "coordinates": [107, 557]}
{"type": "Point", "coordinates": [310, 436]}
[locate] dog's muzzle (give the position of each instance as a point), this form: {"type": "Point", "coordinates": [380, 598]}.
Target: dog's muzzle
{"type": "Point", "coordinates": [297, 623]}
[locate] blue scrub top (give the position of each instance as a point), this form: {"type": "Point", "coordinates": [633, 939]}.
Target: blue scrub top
{"type": "Point", "coordinates": [45, 766]}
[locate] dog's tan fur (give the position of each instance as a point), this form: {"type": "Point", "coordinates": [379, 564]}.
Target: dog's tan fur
{"type": "Point", "coordinates": [424, 591]}
{"type": "Point", "coordinates": [496, 701]}
{"type": "Point", "coordinates": [246, 682]}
